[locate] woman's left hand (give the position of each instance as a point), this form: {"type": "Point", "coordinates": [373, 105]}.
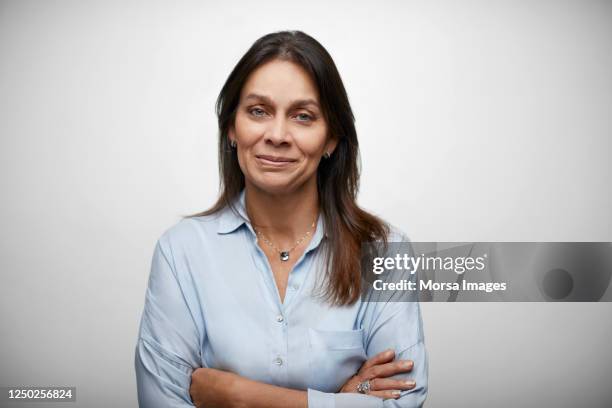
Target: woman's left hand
{"type": "Point", "coordinates": [377, 371]}
{"type": "Point", "coordinates": [213, 388]}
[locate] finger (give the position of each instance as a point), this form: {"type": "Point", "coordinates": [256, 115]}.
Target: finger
{"type": "Point", "coordinates": [384, 384]}
{"type": "Point", "coordinates": [390, 394]}
{"type": "Point", "coordinates": [387, 370]}
{"type": "Point", "coordinates": [380, 358]}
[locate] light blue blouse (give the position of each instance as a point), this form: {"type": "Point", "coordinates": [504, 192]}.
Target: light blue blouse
{"type": "Point", "coordinates": [212, 302]}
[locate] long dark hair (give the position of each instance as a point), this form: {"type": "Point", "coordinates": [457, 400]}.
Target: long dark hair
{"type": "Point", "coordinates": [347, 226]}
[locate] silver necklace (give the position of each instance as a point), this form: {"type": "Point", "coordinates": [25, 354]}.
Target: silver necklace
{"type": "Point", "coordinates": [284, 255]}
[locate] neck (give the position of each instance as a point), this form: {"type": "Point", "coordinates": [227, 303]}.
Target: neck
{"type": "Point", "coordinates": [283, 217]}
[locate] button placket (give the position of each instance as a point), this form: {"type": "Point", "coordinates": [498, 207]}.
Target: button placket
{"type": "Point", "coordinates": [279, 358]}
{"type": "Point", "coordinates": [297, 277]}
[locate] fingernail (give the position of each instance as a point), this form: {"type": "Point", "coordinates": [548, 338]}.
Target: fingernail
{"type": "Point", "coordinates": [389, 352]}
{"type": "Point", "coordinates": [407, 364]}
{"type": "Point", "coordinates": [395, 393]}
{"type": "Point", "coordinates": [410, 383]}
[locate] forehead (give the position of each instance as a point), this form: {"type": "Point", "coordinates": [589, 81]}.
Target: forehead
{"type": "Point", "coordinates": [281, 81]}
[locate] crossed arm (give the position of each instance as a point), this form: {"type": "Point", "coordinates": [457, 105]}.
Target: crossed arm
{"type": "Point", "coordinates": [166, 383]}
{"type": "Point", "coordinates": [216, 388]}
{"type": "Point", "coordinates": [168, 372]}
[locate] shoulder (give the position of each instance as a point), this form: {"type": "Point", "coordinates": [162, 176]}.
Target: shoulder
{"type": "Point", "coordinates": [398, 240]}
{"type": "Point", "coordinates": [396, 234]}
{"type": "Point", "coordinates": [189, 231]}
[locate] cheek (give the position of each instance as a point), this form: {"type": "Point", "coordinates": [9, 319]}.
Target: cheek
{"type": "Point", "coordinates": [312, 143]}
{"type": "Point", "coordinates": [247, 131]}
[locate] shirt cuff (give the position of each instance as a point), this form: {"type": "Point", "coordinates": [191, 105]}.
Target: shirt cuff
{"type": "Point", "coordinates": [353, 400]}
{"type": "Point", "coordinates": [318, 399]}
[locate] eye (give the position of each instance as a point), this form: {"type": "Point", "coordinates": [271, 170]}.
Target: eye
{"type": "Point", "coordinates": [304, 117]}
{"type": "Point", "coordinates": [257, 112]}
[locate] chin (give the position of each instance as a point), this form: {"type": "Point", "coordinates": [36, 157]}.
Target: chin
{"type": "Point", "coordinates": [275, 185]}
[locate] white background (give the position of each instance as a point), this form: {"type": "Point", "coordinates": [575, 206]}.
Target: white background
{"type": "Point", "coordinates": [478, 121]}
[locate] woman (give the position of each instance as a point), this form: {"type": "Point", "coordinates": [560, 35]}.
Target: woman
{"type": "Point", "coordinates": [256, 302]}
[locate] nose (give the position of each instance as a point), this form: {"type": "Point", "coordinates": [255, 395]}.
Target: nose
{"type": "Point", "coordinates": [276, 134]}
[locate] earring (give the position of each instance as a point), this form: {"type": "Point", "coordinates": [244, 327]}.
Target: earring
{"type": "Point", "coordinates": [326, 155]}
{"type": "Point", "coordinates": [233, 144]}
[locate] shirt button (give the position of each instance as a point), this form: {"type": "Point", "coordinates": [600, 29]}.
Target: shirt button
{"type": "Point", "coordinates": [295, 287]}
{"type": "Point", "coordinates": [278, 361]}
{"type": "Point", "coordinates": [279, 318]}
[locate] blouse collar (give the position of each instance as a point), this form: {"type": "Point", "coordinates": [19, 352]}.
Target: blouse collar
{"type": "Point", "coordinates": [234, 216]}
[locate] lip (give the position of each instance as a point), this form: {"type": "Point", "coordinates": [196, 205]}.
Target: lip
{"type": "Point", "coordinates": [274, 161]}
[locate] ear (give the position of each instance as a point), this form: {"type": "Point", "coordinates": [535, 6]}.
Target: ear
{"type": "Point", "coordinates": [231, 135]}
{"type": "Point", "coordinates": [331, 144]}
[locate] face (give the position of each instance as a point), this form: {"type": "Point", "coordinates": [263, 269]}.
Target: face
{"type": "Point", "coordinates": [279, 129]}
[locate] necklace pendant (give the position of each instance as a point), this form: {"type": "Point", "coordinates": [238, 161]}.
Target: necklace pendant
{"type": "Point", "coordinates": [284, 256]}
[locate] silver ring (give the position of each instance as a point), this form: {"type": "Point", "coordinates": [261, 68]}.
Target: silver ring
{"type": "Point", "coordinates": [364, 387]}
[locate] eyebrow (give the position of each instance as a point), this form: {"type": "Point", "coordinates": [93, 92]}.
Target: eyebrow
{"type": "Point", "coordinates": [268, 100]}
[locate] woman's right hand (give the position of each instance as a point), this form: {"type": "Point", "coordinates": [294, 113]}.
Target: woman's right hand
{"type": "Point", "coordinates": [377, 369]}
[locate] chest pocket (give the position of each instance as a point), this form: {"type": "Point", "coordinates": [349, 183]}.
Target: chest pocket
{"type": "Point", "coordinates": [335, 356]}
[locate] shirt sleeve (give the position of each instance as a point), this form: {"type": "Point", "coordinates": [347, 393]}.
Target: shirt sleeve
{"type": "Point", "coordinates": [167, 350]}
{"type": "Point", "coordinates": [390, 322]}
